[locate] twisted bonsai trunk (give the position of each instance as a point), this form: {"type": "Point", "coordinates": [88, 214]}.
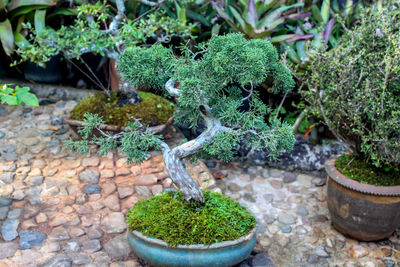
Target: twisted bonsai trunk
{"type": "Point", "coordinates": [173, 158]}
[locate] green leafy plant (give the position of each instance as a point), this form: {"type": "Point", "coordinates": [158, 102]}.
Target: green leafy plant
{"type": "Point", "coordinates": [207, 89]}
{"type": "Point", "coordinates": [323, 27]}
{"type": "Point", "coordinates": [356, 86]}
{"type": "Point", "coordinates": [14, 13]}
{"type": "Point", "coordinates": [100, 30]}
{"type": "Point", "coordinates": [259, 19]}
{"type": "Point", "coordinates": [15, 96]}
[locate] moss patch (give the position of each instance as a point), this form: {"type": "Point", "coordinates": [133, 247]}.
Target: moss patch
{"type": "Point", "coordinates": [365, 173]}
{"type": "Point", "coordinates": [153, 110]}
{"type": "Point", "coordinates": [168, 217]}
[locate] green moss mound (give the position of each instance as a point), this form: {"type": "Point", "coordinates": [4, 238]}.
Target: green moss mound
{"type": "Point", "coordinates": [153, 110]}
{"type": "Point", "coordinates": [170, 218]}
{"type": "Point", "coordinates": [365, 173]}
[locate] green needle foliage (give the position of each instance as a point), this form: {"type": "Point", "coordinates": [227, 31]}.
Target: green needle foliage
{"type": "Point", "coordinates": [170, 218]}
{"type": "Point", "coordinates": [135, 142]}
{"type": "Point", "coordinates": [221, 76]}
{"type": "Point", "coordinates": [356, 86]}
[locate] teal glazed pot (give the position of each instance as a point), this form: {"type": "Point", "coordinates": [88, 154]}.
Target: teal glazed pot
{"type": "Point", "coordinates": [157, 252]}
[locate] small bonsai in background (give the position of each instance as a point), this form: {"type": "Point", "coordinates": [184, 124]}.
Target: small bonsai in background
{"type": "Point", "coordinates": [103, 29]}
{"type": "Point", "coordinates": [356, 88]}
{"type": "Point", "coordinates": [209, 86]}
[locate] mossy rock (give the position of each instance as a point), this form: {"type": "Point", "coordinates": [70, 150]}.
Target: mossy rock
{"type": "Point", "coordinates": [172, 219]}
{"type": "Point", "coordinates": [152, 110]}
{"type": "Point", "coordinates": [365, 173]}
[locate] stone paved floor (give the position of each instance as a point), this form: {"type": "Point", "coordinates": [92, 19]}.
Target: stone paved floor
{"type": "Point", "coordinates": [294, 227]}
{"type": "Point", "coordinates": [58, 209]}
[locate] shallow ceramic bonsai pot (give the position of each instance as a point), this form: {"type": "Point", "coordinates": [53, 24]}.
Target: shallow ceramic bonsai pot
{"type": "Point", "coordinates": [362, 211]}
{"type": "Point", "coordinates": [75, 124]}
{"type": "Point", "coordinates": [158, 253]}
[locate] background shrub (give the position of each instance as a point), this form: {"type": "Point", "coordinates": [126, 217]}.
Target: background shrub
{"type": "Point", "coordinates": [356, 86]}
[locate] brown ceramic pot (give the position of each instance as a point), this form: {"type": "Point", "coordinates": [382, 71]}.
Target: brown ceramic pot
{"type": "Point", "coordinates": [364, 212]}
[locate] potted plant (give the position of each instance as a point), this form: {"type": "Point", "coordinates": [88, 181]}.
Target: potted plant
{"type": "Point", "coordinates": [100, 30]}
{"type": "Point", "coordinates": [356, 89]}
{"type": "Point", "coordinates": [189, 226]}
{"type": "Point", "coordinates": [13, 35]}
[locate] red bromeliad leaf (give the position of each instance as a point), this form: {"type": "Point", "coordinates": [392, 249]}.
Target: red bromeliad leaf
{"type": "Point", "coordinates": [328, 30]}
{"type": "Point", "coordinates": [219, 175]}
{"type": "Point", "coordinates": [301, 37]}
{"type": "Point", "coordinates": [19, 3]}
{"type": "Point", "coordinates": [7, 37]}
{"type": "Point", "coordinates": [251, 14]}
{"type": "Point", "coordinates": [308, 131]}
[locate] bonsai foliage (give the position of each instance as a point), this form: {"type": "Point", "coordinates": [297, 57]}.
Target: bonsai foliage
{"type": "Point", "coordinates": [356, 86]}
{"type": "Point", "coordinates": [216, 86]}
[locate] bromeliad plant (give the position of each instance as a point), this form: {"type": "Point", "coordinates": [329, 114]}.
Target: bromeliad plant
{"type": "Point", "coordinates": [210, 86]}
{"type": "Point", "coordinates": [324, 27]}
{"type": "Point", "coordinates": [259, 19]}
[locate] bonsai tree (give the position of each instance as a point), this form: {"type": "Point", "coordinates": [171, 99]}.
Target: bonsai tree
{"type": "Point", "coordinates": [356, 87]}
{"type": "Point", "coordinates": [102, 29]}
{"type": "Point", "coordinates": [211, 85]}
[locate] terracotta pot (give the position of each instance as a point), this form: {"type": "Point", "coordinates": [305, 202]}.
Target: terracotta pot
{"type": "Point", "coordinates": [74, 124]}
{"type": "Point", "coordinates": [364, 212]}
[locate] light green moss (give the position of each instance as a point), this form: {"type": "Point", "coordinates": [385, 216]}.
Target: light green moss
{"type": "Point", "coordinates": [170, 218]}
{"type": "Point", "coordinates": [153, 110]}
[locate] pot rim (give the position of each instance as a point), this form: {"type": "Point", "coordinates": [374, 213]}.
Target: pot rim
{"type": "Point", "coordinates": [114, 128]}
{"type": "Point", "coordinates": [343, 180]}
{"type": "Point", "coordinates": [223, 244]}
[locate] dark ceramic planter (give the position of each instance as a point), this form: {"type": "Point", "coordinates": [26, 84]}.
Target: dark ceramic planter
{"type": "Point", "coordinates": [75, 124]}
{"type": "Point", "coordinates": [157, 252]}
{"type": "Point", "coordinates": [52, 73]}
{"type": "Point", "coordinates": [364, 212]}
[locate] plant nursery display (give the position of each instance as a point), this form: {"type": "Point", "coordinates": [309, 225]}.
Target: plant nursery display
{"type": "Point", "coordinates": [356, 89]}
{"type": "Point", "coordinates": [210, 85]}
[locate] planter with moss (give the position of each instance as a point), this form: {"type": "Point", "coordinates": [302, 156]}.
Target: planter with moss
{"type": "Point", "coordinates": [153, 111]}
{"type": "Point", "coordinates": [194, 227]}
{"type": "Point", "coordinates": [363, 211]}
{"type": "Point", "coordinates": [165, 230]}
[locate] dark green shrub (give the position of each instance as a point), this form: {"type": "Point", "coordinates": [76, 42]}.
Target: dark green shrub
{"type": "Point", "coordinates": [356, 87]}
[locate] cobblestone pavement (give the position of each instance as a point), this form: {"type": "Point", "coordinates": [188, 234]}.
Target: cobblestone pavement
{"type": "Point", "coordinates": [294, 227]}
{"type": "Point", "coordinates": [59, 209]}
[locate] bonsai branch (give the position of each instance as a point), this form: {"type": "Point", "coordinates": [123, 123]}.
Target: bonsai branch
{"type": "Point", "coordinates": [170, 87]}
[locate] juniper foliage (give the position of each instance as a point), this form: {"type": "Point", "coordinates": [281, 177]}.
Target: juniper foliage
{"type": "Point", "coordinates": [223, 78]}
{"type": "Point", "coordinates": [216, 86]}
